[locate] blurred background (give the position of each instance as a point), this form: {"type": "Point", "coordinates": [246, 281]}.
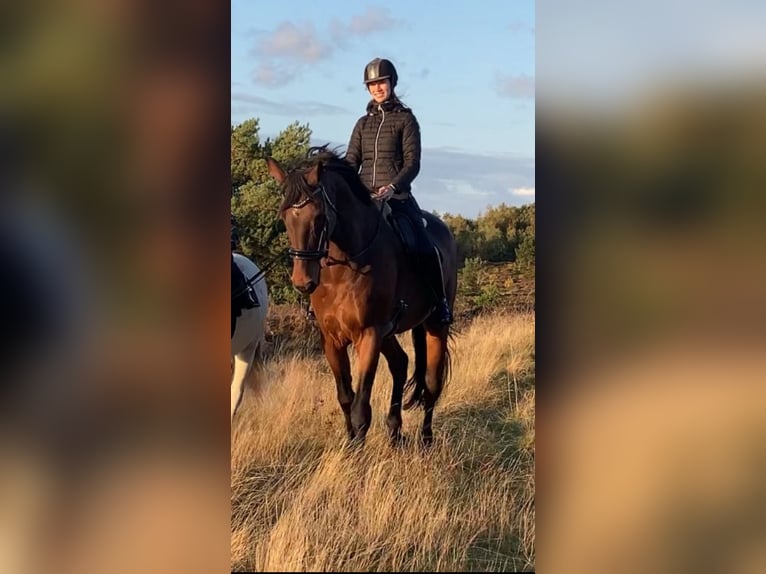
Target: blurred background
{"type": "Point", "coordinates": [114, 179]}
{"type": "Point", "coordinates": [651, 141]}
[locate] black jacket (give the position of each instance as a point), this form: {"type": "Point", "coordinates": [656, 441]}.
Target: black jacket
{"type": "Point", "coordinates": [385, 143]}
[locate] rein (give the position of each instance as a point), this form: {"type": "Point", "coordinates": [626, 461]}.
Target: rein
{"type": "Point", "coordinates": [322, 250]}
{"type": "Point", "coordinates": [258, 276]}
{"type": "Point", "coordinates": [350, 258]}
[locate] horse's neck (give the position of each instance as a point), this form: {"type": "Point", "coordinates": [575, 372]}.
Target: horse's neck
{"type": "Point", "coordinates": [356, 227]}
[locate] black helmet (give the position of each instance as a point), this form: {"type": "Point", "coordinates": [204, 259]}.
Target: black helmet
{"type": "Point", "coordinates": [380, 69]}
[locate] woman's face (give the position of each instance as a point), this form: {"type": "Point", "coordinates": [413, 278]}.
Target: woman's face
{"type": "Point", "coordinates": [380, 90]}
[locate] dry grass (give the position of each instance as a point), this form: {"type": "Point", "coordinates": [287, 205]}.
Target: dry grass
{"type": "Point", "coordinates": [303, 501]}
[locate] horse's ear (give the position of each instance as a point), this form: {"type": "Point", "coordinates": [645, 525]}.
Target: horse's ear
{"type": "Point", "coordinates": [312, 175]}
{"type": "Point", "coordinates": [275, 170]}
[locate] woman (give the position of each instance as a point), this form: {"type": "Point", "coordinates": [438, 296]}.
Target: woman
{"type": "Point", "coordinates": [385, 149]}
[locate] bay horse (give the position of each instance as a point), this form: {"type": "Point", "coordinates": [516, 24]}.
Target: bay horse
{"type": "Point", "coordinates": [364, 289]}
{"type": "Point", "coordinates": [249, 334]}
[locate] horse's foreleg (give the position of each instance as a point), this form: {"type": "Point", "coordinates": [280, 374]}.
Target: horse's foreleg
{"type": "Point", "coordinates": [337, 357]}
{"type": "Point", "coordinates": [243, 365]}
{"type": "Point", "coordinates": [397, 364]}
{"type": "Point", "coordinates": [368, 352]}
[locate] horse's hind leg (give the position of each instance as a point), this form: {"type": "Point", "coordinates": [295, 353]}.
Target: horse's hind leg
{"type": "Point", "coordinates": [243, 365]}
{"type": "Point", "coordinates": [397, 364]}
{"type": "Point", "coordinates": [437, 363]}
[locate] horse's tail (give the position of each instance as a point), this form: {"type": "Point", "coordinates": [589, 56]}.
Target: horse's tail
{"type": "Point", "coordinates": [447, 359]}
{"type": "Point", "coordinates": [418, 380]}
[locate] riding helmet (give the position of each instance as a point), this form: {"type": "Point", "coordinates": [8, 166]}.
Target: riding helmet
{"type": "Point", "coordinates": [380, 69]}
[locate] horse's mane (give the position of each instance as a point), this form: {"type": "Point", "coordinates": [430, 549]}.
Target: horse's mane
{"type": "Point", "coordinates": [329, 160]}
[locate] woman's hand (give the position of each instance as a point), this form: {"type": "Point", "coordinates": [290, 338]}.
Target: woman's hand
{"type": "Point", "coordinates": [385, 192]}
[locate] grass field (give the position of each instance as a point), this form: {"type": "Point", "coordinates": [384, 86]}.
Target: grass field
{"type": "Point", "coordinates": [302, 500]}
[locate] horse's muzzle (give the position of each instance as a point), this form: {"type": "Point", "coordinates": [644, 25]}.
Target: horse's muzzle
{"type": "Point", "coordinates": [307, 288]}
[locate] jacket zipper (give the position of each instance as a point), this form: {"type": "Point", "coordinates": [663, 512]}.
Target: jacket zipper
{"type": "Point", "coordinates": [375, 156]}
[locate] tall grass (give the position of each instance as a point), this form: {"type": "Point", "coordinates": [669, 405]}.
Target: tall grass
{"type": "Point", "coordinates": [304, 501]}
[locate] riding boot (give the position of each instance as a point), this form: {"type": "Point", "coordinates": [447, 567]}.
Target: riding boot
{"type": "Point", "coordinates": [436, 280]}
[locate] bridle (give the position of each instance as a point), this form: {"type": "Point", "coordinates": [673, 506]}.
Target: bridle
{"type": "Point", "coordinates": [323, 244]}
{"type": "Point", "coordinates": [324, 238]}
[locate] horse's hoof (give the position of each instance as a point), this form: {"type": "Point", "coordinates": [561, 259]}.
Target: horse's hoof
{"type": "Point", "coordinates": [398, 440]}
{"type": "Point", "coordinates": [360, 434]}
{"type": "Point", "coordinates": [426, 442]}
{"type": "Point", "coordinates": [354, 444]}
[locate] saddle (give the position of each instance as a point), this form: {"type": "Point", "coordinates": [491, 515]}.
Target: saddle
{"type": "Point", "coordinates": [242, 292]}
{"type": "Point", "coordinates": [404, 229]}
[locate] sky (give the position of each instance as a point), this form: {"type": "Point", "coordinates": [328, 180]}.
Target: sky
{"type": "Point", "coordinates": [467, 73]}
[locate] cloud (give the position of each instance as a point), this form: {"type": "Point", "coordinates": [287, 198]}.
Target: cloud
{"type": "Point", "coordinates": [373, 20]}
{"type": "Point", "coordinates": [476, 167]}
{"type": "Point", "coordinates": [282, 54]}
{"type": "Point", "coordinates": [464, 188]}
{"type": "Point", "coordinates": [462, 183]}
{"type": "Point", "coordinates": [299, 43]}
{"type": "Point", "coordinates": [339, 33]}
{"type": "Point", "coordinates": [273, 75]}
{"type": "Point", "coordinates": [245, 102]}
{"type": "Point", "coordinates": [523, 191]}
{"type": "Point", "coordinates": [521, 86]}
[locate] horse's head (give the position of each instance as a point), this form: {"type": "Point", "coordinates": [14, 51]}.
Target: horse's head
{"type": "Point", "coordinates": [308, 210]}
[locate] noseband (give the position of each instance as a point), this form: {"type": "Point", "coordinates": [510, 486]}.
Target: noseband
{"type": "Point", "coordinates": [322, 249]}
